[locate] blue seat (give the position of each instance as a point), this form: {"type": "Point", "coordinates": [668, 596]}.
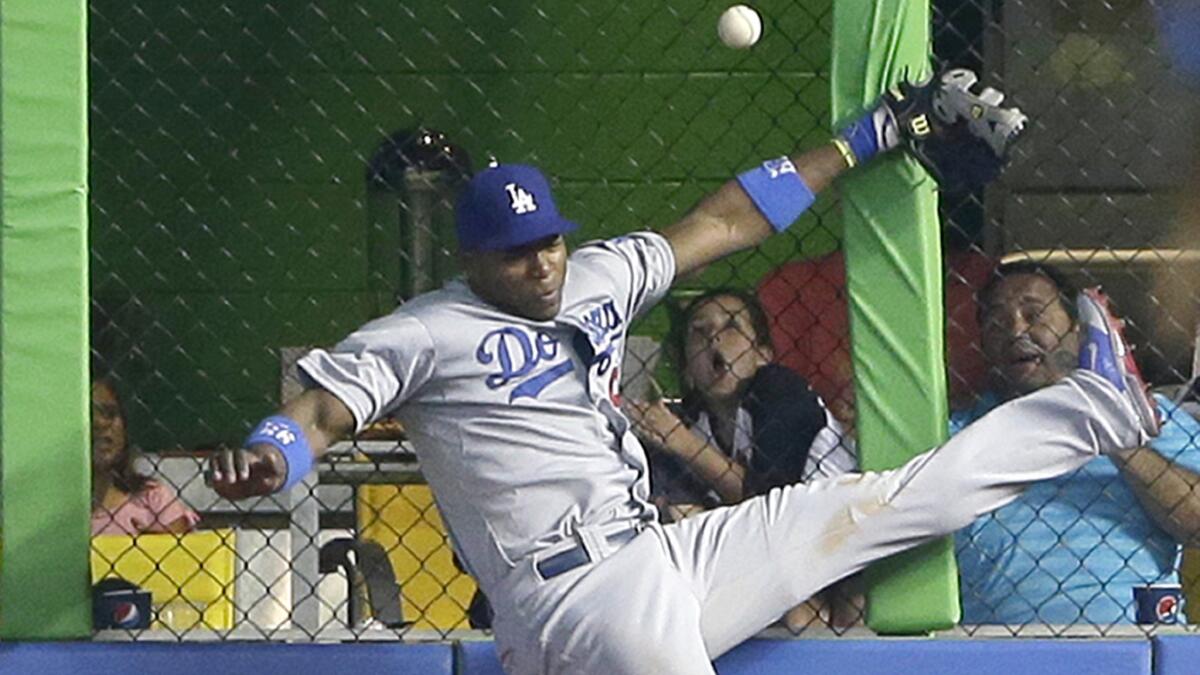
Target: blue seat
{"type": "Point", "coordinates": [940, 657]}
{"type": "Point", "coordinates": [478, 657]}
{"type": "Point", "coordinates": [1176, 654]}
{"type": "Point", "coordinates": [232, 658]}
{"type": "Point", "coordinates": [890, 656]}
{"type": "Point", "coordinates": [756, 657]}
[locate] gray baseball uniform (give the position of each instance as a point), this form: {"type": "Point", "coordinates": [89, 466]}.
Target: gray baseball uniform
{"type": "Point", "coordinates": [518, 429]}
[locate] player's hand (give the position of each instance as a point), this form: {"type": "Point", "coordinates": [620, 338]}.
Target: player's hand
{"type": "Point", "coordinates": [242, 473]}
{"type": "Point", "coordinates": [961, 136]}
{"type": "Point", "coordinates": [680, 511]}
{"type": "Point", "coordinates": [653, 421]}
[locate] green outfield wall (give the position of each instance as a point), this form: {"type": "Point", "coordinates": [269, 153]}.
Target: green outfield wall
{"type": "Point", "coordinates": [892, 241]}
{"type": "Point", "coordinates": [230, 214]}
{"type": "Point", "coordinates": [44, 395]}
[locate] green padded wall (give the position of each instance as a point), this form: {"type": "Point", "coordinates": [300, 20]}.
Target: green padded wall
{"type": "Point", "coordinates": [894, 274]}
{"type": "Point", "coordinates": [44, 395]}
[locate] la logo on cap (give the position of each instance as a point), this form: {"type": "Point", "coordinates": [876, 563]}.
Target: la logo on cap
{"type": "Point", "coordinates": [519, 199]}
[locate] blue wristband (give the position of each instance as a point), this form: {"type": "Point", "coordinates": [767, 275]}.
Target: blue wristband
{"type": "Point", "coordinates": [862, 137]}
{"type": "Point", "coordinates": [778, 191]}
{"type": "Point", "coordinates": [285, 434]}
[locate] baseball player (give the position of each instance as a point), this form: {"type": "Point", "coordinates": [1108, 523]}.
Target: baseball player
{"type": "Point", "coordinates": [506, 381]}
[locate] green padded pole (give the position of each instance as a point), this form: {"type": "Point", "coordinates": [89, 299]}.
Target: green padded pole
{"type": "Point", "coordinates": [894, 277]}
{"type": "Point", "coordinates": [44, 394]}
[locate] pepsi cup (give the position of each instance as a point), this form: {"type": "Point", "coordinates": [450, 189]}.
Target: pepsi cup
{"type": "Point", "coordinates": [1158, 603]}
{"type": "Point", "coordinates": [120, 606]}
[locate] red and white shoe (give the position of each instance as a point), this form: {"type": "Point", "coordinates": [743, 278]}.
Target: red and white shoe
{"type": "Point", "coordinates": [1104, 351]}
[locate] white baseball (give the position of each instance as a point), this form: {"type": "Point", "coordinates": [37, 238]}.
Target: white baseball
{"type": "Point", "coordinates": [739, 27]}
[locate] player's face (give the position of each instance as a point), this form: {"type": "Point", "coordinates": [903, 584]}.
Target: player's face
{"type": "Point", "coordinates": [721, 350]}
{"type": "Point", "coordinates": [1029, 339]}
{"type": "Point", "coordinates": [108, 426]}
{"type": "Point", "coordinates": [526, 281]}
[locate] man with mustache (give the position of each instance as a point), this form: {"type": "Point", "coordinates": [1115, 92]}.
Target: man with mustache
{"type": "Point", "coordinates": [1071, 549]}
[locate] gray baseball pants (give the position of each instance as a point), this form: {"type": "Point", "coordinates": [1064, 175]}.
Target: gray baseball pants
{"type": "Point", "coordinates": [680, 595]}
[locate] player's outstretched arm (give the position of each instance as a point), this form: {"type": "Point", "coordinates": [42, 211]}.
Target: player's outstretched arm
{"type": "Point", "coordinates": [960, 137]}
{"type": "Point", "coordinates": [281, 450]}
{"type": "Point", "coordinates": [737, 217]}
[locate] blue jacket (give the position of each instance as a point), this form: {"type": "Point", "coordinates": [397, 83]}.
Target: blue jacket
{"type": "Point", "coordinates": [1070, 550]}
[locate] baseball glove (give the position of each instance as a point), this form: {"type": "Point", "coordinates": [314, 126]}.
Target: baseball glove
{"type": "Point", "coordinates": [962, 138]}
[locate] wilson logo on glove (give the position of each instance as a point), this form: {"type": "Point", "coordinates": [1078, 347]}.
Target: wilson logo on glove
{"type": "Point", "coordinates": [960, 137]}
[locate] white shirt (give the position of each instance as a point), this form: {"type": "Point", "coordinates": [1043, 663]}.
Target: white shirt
{"type": "Point", "coordinates": [832, 452]}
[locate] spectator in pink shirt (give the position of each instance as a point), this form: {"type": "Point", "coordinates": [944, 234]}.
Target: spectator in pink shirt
{"type": "Point", "coordinates": [123, 500]}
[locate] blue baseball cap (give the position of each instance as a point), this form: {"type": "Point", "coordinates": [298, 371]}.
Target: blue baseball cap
{"type": "Point", "coordinates": [507, 206]}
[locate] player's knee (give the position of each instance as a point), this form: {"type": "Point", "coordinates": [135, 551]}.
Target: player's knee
{"type": "Point", "coordinates": [954, 515]}
{"type": "Point", "coordinates": [935, 514]}
{"type": "Point", "coordinates": [945, 505]}
{"type": "Point", "coordinates": [970, 501]}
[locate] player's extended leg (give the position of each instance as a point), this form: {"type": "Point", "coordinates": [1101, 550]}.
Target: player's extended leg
{"type": "Point", "coordinates": [752, 562]}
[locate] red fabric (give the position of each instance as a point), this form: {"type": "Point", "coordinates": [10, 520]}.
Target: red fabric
{"type": "Point", "coordinates": [806, 303]}
{"type": "Point", "coordinates": [966, 275]}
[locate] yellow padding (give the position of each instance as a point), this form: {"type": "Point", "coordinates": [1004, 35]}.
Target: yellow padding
{"type": "Point", "coordinates": [189, 576]}
{"type": "Point", "coordinates": [1189, 579]}
{"type": "Point", "coordinates": [405, 522]}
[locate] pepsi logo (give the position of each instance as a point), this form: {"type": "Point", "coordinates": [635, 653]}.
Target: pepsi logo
{"type": "Point", "coordinates": [1166, 608]}
{"type": "Point", "coordinates": [125, 615]}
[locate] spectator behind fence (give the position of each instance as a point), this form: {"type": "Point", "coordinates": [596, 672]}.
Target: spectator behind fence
{"type": "Point", "coordinates": [1071, 549]}
{"type": "Point", "coordinates": [124, 501]}
{"type": "Point", "coordinates": [745, 425]}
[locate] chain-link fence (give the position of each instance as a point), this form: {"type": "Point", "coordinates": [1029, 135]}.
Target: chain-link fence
{"type": "Point", "coordinates": [1093, 196]}
{"type": "Point", "coordinates": [268, 176]}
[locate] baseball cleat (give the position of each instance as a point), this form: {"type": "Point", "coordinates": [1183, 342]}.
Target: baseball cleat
{"type": "Point", "coordinates": [1104, 351]}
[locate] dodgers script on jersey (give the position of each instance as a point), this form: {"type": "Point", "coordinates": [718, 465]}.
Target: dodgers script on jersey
{"type": "Point", "coordinates": [516, 422]}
